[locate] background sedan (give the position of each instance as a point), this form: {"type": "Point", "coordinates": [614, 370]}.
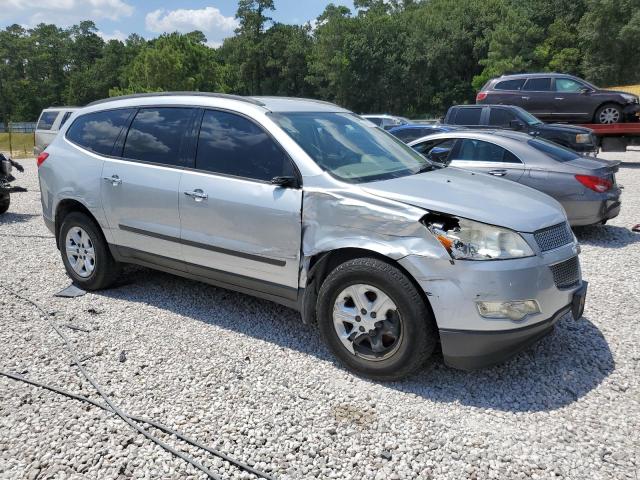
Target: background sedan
{"type": "Point", "coordinates": [586, 187]}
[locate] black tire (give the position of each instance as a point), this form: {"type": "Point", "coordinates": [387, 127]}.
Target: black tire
{"type": "Point", "coordinates": [5, 201]}
{"type": "Point", "coordinates": [105, 269]}
{"type": "Point", "coordinates": [418, 338]}
{"type": "Point", "coordinates": [614, 109]}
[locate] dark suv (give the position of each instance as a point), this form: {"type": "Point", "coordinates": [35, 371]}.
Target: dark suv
{"type": "Point", "coordinates": [577, 138]}
{"type": "Point", "coordinates": [554, 96]}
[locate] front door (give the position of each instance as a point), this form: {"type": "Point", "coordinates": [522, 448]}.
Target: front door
{"type": "Point", "coordinates": [238, 227]}
{"type": "Point", "coordinates": [140, 191]}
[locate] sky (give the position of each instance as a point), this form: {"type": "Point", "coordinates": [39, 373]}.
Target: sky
{"type": "Point", "coordinates": [150, 18]}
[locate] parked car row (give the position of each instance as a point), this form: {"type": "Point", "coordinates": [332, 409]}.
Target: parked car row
{"type": "Point", "coordinates": [309, 205]}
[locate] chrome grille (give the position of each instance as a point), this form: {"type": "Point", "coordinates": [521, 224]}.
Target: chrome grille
{"type": "Point", "coordinates": [554, 237]}
{"type": "Point", "coordinates": [566, 274]}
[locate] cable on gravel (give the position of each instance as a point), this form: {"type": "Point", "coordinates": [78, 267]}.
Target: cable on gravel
{"type": "Point", "coordinates": [111, 407]}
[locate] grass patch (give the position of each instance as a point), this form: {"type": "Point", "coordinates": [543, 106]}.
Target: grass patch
{"type": "Point", "coordinates": [21, 144]}
{"type": "Point", "coordinates": [635, 89]}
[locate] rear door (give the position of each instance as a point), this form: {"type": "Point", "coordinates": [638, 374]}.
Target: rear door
{"type": "Point", "coordinates": [238, 227]}
{"type": "Point", "coordinates": [507, 92]}
{"type": "Point", "coordinates": [539, 97]}
{"type": "Point", "coordinates": [468, 116]}
{"type": "Point", "coordinates": [140, 189]}
{"type": "Point", "coordinates": [486, 157]}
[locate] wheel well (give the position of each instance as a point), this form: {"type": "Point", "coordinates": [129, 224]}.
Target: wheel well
{"type": "Point", "coordinates": [64, 208]}
{"type": "Point", "coordinates": [322, 264]}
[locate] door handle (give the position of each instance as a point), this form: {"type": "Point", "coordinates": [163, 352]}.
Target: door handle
{"type": "Point", "coordinates": [198, 195]}
{"type": "Point", "coordinates": [525, 98]}
{"type": "Point", "coordinates": [115, 180]}
{"type": "Point", "coordinates": [559, 98]}
{"type": "Point", "coordinates": [498, 173]}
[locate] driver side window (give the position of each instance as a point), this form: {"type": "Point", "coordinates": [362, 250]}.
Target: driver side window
{"type": "Point", "coordinates": [438, 150]}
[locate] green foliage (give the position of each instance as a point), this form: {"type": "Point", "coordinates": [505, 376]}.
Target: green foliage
{"type": "Point", "coordinates": [412, 57]}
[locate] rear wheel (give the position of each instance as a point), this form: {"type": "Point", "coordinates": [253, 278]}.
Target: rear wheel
{"type": "Point", "coordinates": [5, 201]}
{"type": "Point", "coordinates": [374, 319]}
{"type": "Point", "coordinates": [608, 114]}
{"type": "Point", "coordinates": [85, 253]}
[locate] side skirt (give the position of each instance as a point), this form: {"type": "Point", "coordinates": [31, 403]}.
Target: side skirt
{"type": "Point", "coordinates": [287, 296]}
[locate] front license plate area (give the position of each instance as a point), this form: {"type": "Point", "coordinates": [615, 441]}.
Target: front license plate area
{"type": "Point", "coordinates": [579, 300]}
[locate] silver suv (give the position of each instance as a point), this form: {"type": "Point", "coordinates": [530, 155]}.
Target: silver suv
{"type": "Point", "coordinates": [306, 204]}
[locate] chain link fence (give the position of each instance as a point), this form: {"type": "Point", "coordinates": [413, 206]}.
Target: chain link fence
{"type": "Point", "coordinates": [17, 139]}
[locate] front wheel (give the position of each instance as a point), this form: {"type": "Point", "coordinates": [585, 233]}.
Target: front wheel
{"type": "Point", "coordinates": [374, 319]}
{"type": "Point", "coordinates": [5, 201]}
{"type": "Point", "coordinates": [608, 114]}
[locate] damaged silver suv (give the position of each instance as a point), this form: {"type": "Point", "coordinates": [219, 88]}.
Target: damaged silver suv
{"type": "Point", "coordinates": [308, 205]}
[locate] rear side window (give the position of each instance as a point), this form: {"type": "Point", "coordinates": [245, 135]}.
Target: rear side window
{"type": "Point", "coordinates": [376, 120]}
{"type": "Point", "coordinates": [157, 134]}
{"type": "Point", "coordinates": [233, 145]}
{"type": "Point", "coordinates": [65, 118]}
{"type": "Point", "coordinates": [501, 117]}
{"type": "Point", "coordinates": [468, 116]}
{"type": "Point", "coordinates": [98, 131]}
{"type": "Point", "coordinates": [557, 152]}
{"type": "Point", "coordinates": [510, 84]}
{"type": "Point", "coordinates": [480, 151]}
{"type": "Point", "coordinates": [47, 120]}
{"type": "Point", "coordinates": [538, 85]}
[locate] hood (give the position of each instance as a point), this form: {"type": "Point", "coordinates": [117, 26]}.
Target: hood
{"type": "Point", "coordinates": [619, 92]}
{"type": "Point", "coordinates": [565, 128]}
{"type": "Point", "coordinates": [474, 196]}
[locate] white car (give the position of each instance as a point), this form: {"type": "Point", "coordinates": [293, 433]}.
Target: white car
{"type": "Point", "coordinates": [49, 123]}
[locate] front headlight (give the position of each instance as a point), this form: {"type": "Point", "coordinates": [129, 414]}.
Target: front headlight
{"type": "Point", "coordinates": [468, 240]}
{"type": "Point", "coordinates": [629, 97]}
{"type": "Point", "coordinates": [583, 138]}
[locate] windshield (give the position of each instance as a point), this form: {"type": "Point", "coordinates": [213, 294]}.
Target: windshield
{"type": "Point", "coordinates": [527, 117]}
{"type": "Point", "coordinates": [351, 148]}
{"type": "Point", "coordinates": [555, 151]}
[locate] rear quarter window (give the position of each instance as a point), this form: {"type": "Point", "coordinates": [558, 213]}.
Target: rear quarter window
{"type": "Point", "coordinates": [558, 153]}
{"type": "Point", "coordinates": [99, 131]}
{"type": "Point", "coordinates": [47, 119]}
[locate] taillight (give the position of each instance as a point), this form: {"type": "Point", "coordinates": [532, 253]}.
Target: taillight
{"type": "Point", "coordinates": [481, 96]}
{"type": "Point", "coordinates": [41, 158]}
{"type": "Point", "coordinates": [594, 183]}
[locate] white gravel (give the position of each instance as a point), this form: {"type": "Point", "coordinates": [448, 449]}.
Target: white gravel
{"type": "Point", "coordinates": [245, 376]}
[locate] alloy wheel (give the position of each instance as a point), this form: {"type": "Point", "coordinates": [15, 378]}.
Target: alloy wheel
{"type": "Point", "coordinates": [367, 322]}
{"type": "Point", "coordinates": [80, 252]}
{"type": "Point", "coordinates": [609, 115]}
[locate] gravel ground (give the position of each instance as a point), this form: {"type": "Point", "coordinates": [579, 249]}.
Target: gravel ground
{"type": "Point", "coordinates": [245, 376]}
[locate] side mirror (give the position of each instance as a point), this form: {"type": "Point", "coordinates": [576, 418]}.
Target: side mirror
{"type": "Point", "coordinates": [439, 155]}
{"type": "Point", "coordinates": [285, 182]}
{"type": "Point", "coordinates": [585, 91]}
{"type": "Point", "coordinates": [517, 124]}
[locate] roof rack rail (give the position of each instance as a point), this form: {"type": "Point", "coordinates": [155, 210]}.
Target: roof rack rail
{"type": "Point", "coordinates": [169, 94]}
{"type": "Point", "coordinates": [280, 97]}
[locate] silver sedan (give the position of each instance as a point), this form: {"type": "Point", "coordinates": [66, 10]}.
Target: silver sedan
{"type": "Point", "coordinates": [586, 187]}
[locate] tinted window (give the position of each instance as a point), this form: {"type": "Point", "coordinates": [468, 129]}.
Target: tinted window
{"type": "Point", "coordinates": [46, 120]}
{"type": "Point", "coordinates": [232, 145]}
{"type": "Point", "coordinates": [98, 131]}
{"type": "Point", "coordinates": [501, 117]}
{"type": "Point", "coordinates": [157, 135]}
{"type": "Point", "coordinates": [468, 116]}
{"type": "Point", "coordinates": [65, 118]}
{"type": "Point", "coordinates": [568, 85]}
{"type": "Point", "coordinates": [411, 134]}
{"type": "Point", "coordinates": [376, 120]}
{"type": "Point", "coordinates": [510, 84]}
{"type": "Point", "coordinates": [538, 85]}
{"type": "Point", "coordinates": [555, 151]}
{"type": "Point", "coordinates": [480, 151]}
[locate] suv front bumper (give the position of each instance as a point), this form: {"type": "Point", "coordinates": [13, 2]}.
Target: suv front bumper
{"type": "Point", "coordinates": [471, 350]}
{"type": "Point", "coordinates": [471, 341]}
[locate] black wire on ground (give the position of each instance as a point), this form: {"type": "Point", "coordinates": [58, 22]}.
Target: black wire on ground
{"type": "Point", "coordinates": [130, 420]}
{"type": "Point", "coordinates": [159, 426]}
